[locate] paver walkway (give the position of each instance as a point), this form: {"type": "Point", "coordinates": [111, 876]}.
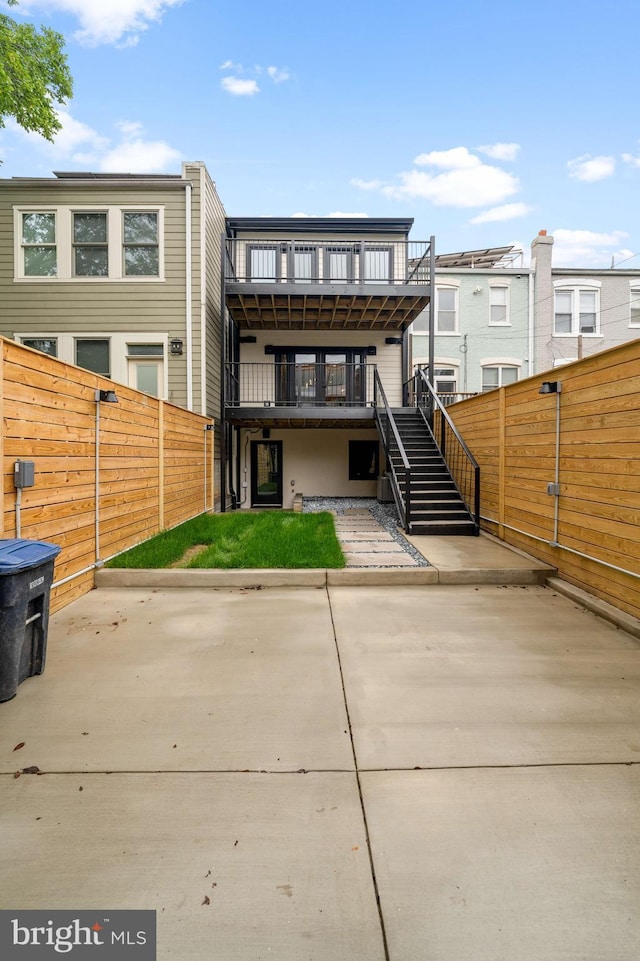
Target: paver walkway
{"type": "Point", "coordinates": [365, 542]}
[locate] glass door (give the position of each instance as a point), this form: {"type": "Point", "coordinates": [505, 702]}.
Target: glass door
{"type": "Point", "coordinates": [266, 473]}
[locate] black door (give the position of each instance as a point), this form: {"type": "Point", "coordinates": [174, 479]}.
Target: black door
{"type": "Point", "coordinates": [266, 473]}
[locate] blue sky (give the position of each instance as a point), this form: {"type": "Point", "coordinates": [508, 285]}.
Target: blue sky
{"type": "Point", "coordinates": [485, 123]}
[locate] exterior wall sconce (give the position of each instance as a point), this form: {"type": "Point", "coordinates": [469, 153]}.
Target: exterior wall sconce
{"type": "Point", "coordinates": [106, 396]}
{"type": "Point", "coordinates": [393, 340]}
{"type": "Point", "coordinates": [477, 290]}
{"type": "Point", "coordinates": [176, 345]}
{"type": "Point", "coordinates": [248, 340]}
{"type": "Point", "coordinates": [550, 387]}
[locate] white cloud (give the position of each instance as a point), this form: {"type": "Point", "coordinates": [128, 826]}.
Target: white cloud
{"type": "Point", "coordinates": [631, 160]}
{"type": "Point", "coordinates": [590, 169]}
{"type": "Point", "coordinates": [501, 151]}
{"type": "Point", "coordinates": [586, 248]}
{"type": "Point", "coordinates": [278, 75]}
{"type": "Point", "coordinates": [78, 143]}
{"type": "Point", "coordinates": [230, 65]}
{"type": "Point", "coordinates": [238, 87]}
{"type": "Point", "coordinates": [462, 180]}
{"type": "Point", "coordinates": [140, 157]}
{"type": "Point", "coordinates": [504, 212]}
{"type": "Point", "coordinates": [109, 21]}
{"type": "Point", "coordinates": [367, 184]}
{"type": "Point", "coordinates": [341, 213]}
{"type": "Point", "coordinates": [458, 158]}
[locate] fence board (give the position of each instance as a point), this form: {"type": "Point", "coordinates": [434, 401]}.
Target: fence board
{"type": "Point", "coordinates": [150, 454]}
{"type": "Point", "coordinates": [598, 469]}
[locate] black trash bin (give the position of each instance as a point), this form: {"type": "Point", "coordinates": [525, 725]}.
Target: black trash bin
{"type": "Point", "coordinates": [26, 574]}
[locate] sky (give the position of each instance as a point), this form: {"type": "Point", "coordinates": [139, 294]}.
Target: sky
{"type": "Point", "coordinates": [486, 123]}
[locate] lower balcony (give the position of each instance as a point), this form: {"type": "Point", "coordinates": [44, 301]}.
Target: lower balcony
{"type": "Point", "coordinates": [302, 394]}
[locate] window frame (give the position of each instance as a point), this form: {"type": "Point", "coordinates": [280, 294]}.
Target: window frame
{"type": "Point", "coordinates": [634, 297]}
{"type": "Point", "coordinates": [456, 311]}
{"type": "Point", "coordinates": [575, 290]}
{"type": "Point", "coordinates": [23, 245]}
{"type": "Point", "coordinates": [359, 450]}
{"type": "Point", "coordinates": [65, 258]}
{"type": "Point", "coordinates": [507, 305]}
{"type": "Point", "coordinates": [498, 365]}
{"type": "Point", "coordinates": [79, 245]}
{"type": "Point", "coordinates": [276, 247]}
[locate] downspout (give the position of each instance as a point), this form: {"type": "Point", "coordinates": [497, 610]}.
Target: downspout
{"type": "Point", "coordinates": [224, 358]}
{"type": "Point", "coordinates": [203, 297]}
{"type": "Point", "coordinates": [97, 481]}
{"type": "Point", "coordinates": [532, 319]}
{"type": "Point", "coordinates": [188, 304]}
{"type": "Point", "coordinates": [432, 297]}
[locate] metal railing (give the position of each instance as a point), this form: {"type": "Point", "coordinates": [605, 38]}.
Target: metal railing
{"type": "Point", "coordinates": [452, 397]}
{"type": "Point", "coordinates": [327, 262]}
{"type": "Point", "coordinates": [287, 384]}
{"type": "Point", "coordinates": [461, 463]}
{"type": "Point", "coordinates": [388, 432]}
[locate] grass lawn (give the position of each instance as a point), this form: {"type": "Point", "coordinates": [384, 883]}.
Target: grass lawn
{"type": "Point", "coordinates": [237, 540]}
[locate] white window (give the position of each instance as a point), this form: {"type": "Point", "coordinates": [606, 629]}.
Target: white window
{"type": "Point", "coordinates": [445, 380]}
{"type": "Point", "coordinates": [136, 359]}
{"type": "Point", "coordinates": [145, 362]}
{"type": "Point", "coordinates": [446, 310]}
{"type": "Point", "coordinates": [499, 306]}
{"type": "Point", "coordinates": [89, 244]}
{"type": "Point", "coordinates": [576, 311]}
{"type": "Point", "coordinates": [304, 265]}
{"type": "Point", "coordinates": [377, 265]}
{"type": "Point", "coordinates": [94, 354]}
{"type": "Point", "coordinates": [140, 243]}
{"type": "Point", "coordinates": [634, 308]}
{"type": "Point", "coordinates": [263, 264]}
{"type": "Point", "coordinates": [498, 375]}
{"type": "Point", "coordinates": [38, 255]}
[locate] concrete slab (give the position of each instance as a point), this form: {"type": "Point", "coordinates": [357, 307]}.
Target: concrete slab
{"type": "Point", "coordinates": [473, 554]}
{"type": "Point", "coordinates": [372, 576]}
{"type": "Point", "coordinates": [507, 865]}
{"type": "Point", "coordinates": [373, 535]}
{"type": "Point", "coordinates": [459, 677]}
{"type": "Point", "coordinates": [210, 579]}
{"type": "Point", "coordinates": [184, 680]}
{"type": "Point", "coordinates": [237, 866]}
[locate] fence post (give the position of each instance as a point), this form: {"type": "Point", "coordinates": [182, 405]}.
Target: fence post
{"type": "Point", "coordinates": [2, 347]}
{"type": "Point", "coordinates": [161, 465]}
{"type": "Point", "coordinates": [502, 457]}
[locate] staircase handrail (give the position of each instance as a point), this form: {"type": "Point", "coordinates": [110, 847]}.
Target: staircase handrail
{"type": "Point", "coordinates": [419, 384]}
{"type": "Point", "coordinates": [403, 504]}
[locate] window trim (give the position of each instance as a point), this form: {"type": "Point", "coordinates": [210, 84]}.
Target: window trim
{"type": "Point", "coordinates": [456, 310]}
{"type": "Point", "coordinates": [634, 295]}
{"type": "Point", "coordinates": [20, 246]}
{"type": "Point", "coordinates": [499, 363]}
{"type": "Point", "coordinates": [119, 349]}
{"type": "Point", "coordinates": [575, 288]}
{"type": "Point", "coordinates": [65, 245]}
{"type": "Point", "coordinates": [507, 305]}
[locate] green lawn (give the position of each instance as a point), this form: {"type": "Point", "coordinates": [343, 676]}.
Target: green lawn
{"type": "Point", "coordinates": [237, 540]}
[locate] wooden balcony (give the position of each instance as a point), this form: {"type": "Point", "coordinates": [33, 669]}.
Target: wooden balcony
{"type": "Point", "coordinates": [322, 285]}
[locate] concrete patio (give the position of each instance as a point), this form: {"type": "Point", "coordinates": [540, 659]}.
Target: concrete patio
{"type": "Point", "coordinates": [415, 772]}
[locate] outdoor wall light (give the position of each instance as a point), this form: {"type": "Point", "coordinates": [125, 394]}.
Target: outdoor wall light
{"type": "Point", "coordinates": [176, 345]}
{"type": "Point", "coordinates": [393, 340]}
{"type": "Point", "coordinates": [550, 387]}
{"type": "Point", "coordinates": [106, 396]}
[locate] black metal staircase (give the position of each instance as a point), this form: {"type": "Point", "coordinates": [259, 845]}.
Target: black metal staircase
{"type": "Point", "coordinates": [436, 504]}
{"type": "Point", "coordinates": [435, 483]}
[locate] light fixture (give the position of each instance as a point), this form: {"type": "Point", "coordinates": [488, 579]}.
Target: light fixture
{"type": "Point", "coordinates": [249, 339]}
{"type": "Point", "coordinates": [106, 396]}
{"type": "Point", "coordinates": [477, 290]}
{"type": "Point", "coordinates": [550, 387]}
{"type": "Point", "coordinates": [393, 340]}
{"type": "Point", "coordinates": [176, 345]}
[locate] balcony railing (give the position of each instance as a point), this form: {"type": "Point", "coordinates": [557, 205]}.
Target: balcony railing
{"type": "Point", "coordinates": [327, 262]}
{"type": "Point", "coordinates": [299, 385]}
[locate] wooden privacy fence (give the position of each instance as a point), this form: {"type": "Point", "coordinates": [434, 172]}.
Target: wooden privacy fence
{"type": "Point", "coordinates": [107, 475]}
{"type": "Point", "coordinates": [584, 439]}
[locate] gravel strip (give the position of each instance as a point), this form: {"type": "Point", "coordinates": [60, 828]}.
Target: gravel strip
{"type": "Point", "coordinates": [385, 514]}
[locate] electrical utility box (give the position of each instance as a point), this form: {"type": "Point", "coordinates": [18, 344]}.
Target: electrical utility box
{"type": "Point", "coordinates": [24, 473]}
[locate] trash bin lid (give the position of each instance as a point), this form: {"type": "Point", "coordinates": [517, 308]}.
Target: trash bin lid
{"type": "Point", "coordinates": [18, 554]}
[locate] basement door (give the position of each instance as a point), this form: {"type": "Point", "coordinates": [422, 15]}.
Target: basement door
{"type": "Point", "coordinates": [266, 473]}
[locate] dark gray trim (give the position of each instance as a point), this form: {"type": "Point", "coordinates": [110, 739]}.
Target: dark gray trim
{"type": "Point", "coordinates": [294, 226]}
